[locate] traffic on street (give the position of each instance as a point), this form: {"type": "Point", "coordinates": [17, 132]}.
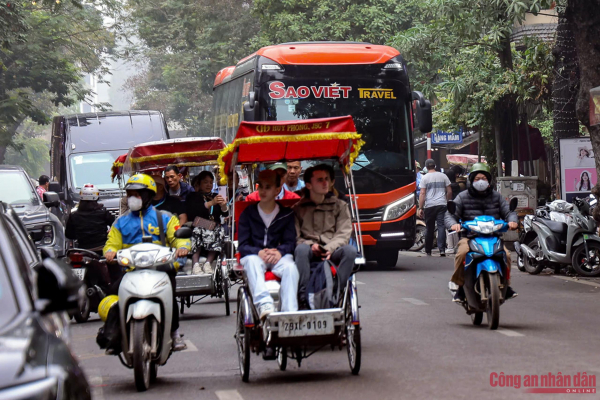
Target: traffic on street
{"type": "Point", "coordinates": [302, 199]}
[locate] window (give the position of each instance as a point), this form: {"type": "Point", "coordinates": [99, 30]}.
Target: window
{"type": "Point", "coordinates": [17, 189]}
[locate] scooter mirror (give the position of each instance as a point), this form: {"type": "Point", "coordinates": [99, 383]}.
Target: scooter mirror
{"type": "Point", "coordinates": [514, 202]}
{"type": "Point", "coordinates": [183, 232]}
{"type": "Point", "coordinates": [451, 207]}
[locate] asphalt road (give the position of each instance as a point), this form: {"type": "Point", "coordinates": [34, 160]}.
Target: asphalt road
{"type": "Point", "coordinates": [417, 344]}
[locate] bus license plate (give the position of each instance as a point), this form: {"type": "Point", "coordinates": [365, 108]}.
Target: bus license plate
{"type": "Point", "coordinates": [305, 325]}
{"type": "Point", "coordinates": [80, 273]}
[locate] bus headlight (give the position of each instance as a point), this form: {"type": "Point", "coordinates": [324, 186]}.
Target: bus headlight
{"type": "Point", "coordinates": [399, 208]}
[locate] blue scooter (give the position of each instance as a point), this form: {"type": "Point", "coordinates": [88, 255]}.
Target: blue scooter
{"type": "Point", "coordinates": [486, 271]}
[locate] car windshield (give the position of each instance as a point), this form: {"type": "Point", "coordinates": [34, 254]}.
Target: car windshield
{"type": "Point", "coordinates": [9, 308]}
{"type": "Point", "coordinates": [380, 114]}
{"type": "Point", "coordinates": [94, 168]}
{"type": "Point", "coordinates": [17, 189]}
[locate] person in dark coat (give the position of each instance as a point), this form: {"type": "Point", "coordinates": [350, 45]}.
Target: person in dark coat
{"type": "Point", "coordinates": [479, 199]}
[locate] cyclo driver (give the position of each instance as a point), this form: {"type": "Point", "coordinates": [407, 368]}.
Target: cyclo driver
{"type": "Point", "coordinates": [479, 199]}
{"type": "Point", "coordinates": [141, 221]}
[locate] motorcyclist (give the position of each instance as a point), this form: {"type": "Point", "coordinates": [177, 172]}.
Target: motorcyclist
{"type": "Point", "coordinates": [141, 220]}
{"type": "Point", "coordinates": [478, 199]}
{"type": "Point", "coordinates": [89, 223]}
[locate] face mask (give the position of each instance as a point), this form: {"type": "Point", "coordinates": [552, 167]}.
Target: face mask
{"type": "Point", "coordinates": [134, 203]}
{"type": "Point", "coordinates": [481, 185]}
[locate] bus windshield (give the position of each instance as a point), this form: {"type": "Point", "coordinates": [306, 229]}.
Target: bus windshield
{"type": "Point", "coordinates": [380, 113]}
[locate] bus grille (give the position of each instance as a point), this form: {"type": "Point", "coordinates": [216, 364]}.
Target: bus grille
{"type": "Point", "coordinates": [371, 215]}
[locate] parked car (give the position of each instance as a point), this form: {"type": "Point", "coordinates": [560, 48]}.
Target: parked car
{"type": "Point", "coordinates": [44, 220]}
{"type": "Point", "coordinates": [35, 291]}
{"type": "Point", "coordinates": [85, 146]}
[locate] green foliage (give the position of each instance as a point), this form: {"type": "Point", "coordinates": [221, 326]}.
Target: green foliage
{"type": "Point", "coordinates": [373, 21]}
{"type": "Point", "coordinates": [184, 44]}
{"type": "Point", "coordinates": [32, 155]}
{"type": "Point", "coordinates": [459, 55]}
{"type": "Point", "coordinates": [52, 45]}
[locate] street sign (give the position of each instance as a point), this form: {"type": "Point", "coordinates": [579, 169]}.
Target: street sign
{"type": "Point", "coordinates": [440, 137]}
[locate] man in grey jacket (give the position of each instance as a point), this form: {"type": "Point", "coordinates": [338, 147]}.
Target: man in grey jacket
{"type": "Point", "coordinates": [479, 199]}
{"type": "Point", "coordinates": [324, 227]}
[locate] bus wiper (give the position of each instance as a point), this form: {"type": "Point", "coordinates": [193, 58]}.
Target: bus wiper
{"type": "Point", "coordinates": [375, 173]}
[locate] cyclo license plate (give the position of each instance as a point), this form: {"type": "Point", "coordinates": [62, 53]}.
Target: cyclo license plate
{"type": "Point", "coordinates": [305, 325]}
{"type": "Point", "coordinates": [79, 272]}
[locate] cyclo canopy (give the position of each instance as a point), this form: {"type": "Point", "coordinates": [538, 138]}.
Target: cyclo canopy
{"type": "Point", "coordinates": [311, 139]}
{"type": "Point", "coordinates": [184, 152]}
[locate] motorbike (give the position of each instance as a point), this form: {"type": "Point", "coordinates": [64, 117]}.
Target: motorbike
{"type": "Point", "coordinates": [145, 307]}
{"type": "Point", "coordinates": [559, 211]}
{"type": "Point", "coordinates": [91, 269]}
{"type": "Point", "coordinates": [420, 231]}
{"type": "Point", "coordinates": [556, 244]}
{"type": "Point", "coordinates": [486, 270]}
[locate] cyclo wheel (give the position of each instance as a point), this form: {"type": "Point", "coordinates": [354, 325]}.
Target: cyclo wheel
{"type": "Point", "coordinates": [141, 354]}
{"type": "Point", "coordinates": [242, 337]}
{"type": "Point", "coordinates": [352, 334]}
{"type": "Point", "coordinates": [493, 308]}
{"type": "Point", "coordinates": [282, 358]}
{"type": "Point", "coordinates": [225, 287]}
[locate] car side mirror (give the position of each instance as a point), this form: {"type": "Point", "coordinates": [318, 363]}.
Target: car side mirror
{"type": "Point", "coordinates": [514, 202]}
{"type": "Point", "coordinates": [51, 199]}
{"type": "Point", "coordinates": [184, 232]}
{"type": "Point", "coordinates": [451, 207]}
{"type": "Point", "coordinates": [58, 288]}
{"type": "Point", "coordinates": [57, 188]}
{"type": "Point", "coordinates": [424, 119]}
{"type": "Point", "coordinates": [251, 107]}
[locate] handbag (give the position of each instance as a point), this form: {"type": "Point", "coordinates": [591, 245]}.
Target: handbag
{"type": "Point", "coordinates": [204, 223]}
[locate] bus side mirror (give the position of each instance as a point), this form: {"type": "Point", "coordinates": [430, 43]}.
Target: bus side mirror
{"type": "Point", "coordinates": [57, 188]}
{"type": "Point", "coordinates": [250, 107]}
{"type": "Point", "coordinates": [424, 121]}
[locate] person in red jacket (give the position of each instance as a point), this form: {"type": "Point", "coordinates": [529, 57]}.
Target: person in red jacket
{"type": "Point", "coordinates": [281, 169]}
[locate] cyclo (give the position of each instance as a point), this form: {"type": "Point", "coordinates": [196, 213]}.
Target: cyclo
{"type": "Point", "coordinates": [185, 152]}
{"type": "Point", "coordinates": [331, 139]}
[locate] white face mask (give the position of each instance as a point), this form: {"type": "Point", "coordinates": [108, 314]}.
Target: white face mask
{"type": "Point", "coordinates": [134, 203]}
{"type": "Point", "coordinates": [481, 185]}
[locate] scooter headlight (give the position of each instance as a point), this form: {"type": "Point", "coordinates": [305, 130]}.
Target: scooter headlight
{"type": "Point", "coordinates": [485, 227]}
{"type": "Point", "coordinates": [144, 259]}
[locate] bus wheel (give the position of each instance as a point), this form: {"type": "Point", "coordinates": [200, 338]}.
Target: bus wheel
{"type": "Point", "coordinates": [387, 258]}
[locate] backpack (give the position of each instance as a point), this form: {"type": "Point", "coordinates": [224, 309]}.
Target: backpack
{"type": "Point", "coordinates": [323, 286]}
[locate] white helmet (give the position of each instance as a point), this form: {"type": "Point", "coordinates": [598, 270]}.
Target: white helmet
{"type": "Point", "coordinates": [89, 192]}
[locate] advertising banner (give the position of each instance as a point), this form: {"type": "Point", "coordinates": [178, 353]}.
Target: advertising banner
{"type": "Point", "coordinates": [577, 167]}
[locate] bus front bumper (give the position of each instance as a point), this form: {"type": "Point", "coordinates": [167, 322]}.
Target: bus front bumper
{"type": "Point", "coordinates": [398, 235]}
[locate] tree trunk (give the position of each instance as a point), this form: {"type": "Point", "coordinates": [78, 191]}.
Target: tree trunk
{"type": "Point", "coordinates": [565, 89]}
{"type": "Point", "coordinates": [2, 153]}
{"type": "Point", "coordinates": [505, 124]}
{"type": "Point", "coordinates": [584, 16]}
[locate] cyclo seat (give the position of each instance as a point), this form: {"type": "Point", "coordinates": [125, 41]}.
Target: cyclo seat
{"type": "Point", "coordinates": [555, 226]}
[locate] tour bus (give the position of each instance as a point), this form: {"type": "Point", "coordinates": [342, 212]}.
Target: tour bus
{"type": "Point", "coordinates": [293, 81]}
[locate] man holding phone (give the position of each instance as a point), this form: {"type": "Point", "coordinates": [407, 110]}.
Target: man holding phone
{"type": "Point", "coordinates": [324, 227]}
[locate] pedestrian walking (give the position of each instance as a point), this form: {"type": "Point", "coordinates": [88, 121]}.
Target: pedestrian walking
{"type": "Point", "coordinates": [435, 193]}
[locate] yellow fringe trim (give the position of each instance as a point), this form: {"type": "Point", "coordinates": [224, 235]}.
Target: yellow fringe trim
{"type": "Point", "coordinates": [176, 155]}
{"type": "Point", "coordinates": [295, 138]}
{"type": "Point", "coordinates": [118, 164]}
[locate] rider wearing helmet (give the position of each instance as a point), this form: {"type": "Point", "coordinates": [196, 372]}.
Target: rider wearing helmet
{"type": "Point", "coordinates": [479, 199]}
{"type": "Point", "coordinates": [89, 223]}
{"type": "Point", "coordinates": [142, 220]}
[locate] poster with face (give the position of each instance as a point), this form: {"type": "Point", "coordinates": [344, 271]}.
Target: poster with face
{"type": "Point", "coordinates": [578, 168]}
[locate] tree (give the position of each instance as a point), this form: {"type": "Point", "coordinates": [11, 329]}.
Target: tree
{"type": "Point", "coordinates": [455, 41]}
{"type": "Point", "coordinates": [54, 45]}
{"type": "Point", "coordinates": [584, 16]}
{"type": "Point", "coordinates": [184, 43]}
{"type": "Point", "coordinates": [374, 21]}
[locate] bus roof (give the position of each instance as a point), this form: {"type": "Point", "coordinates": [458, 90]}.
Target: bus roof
{"type": "Point", "coordinates": [320, 53]}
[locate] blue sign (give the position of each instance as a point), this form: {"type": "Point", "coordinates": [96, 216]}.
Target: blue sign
{"type": "Point", "coordinates": [440, 137]}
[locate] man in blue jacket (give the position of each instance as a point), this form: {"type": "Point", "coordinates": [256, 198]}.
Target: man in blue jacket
{"type": "Point", "coordinates": [267, 237]}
